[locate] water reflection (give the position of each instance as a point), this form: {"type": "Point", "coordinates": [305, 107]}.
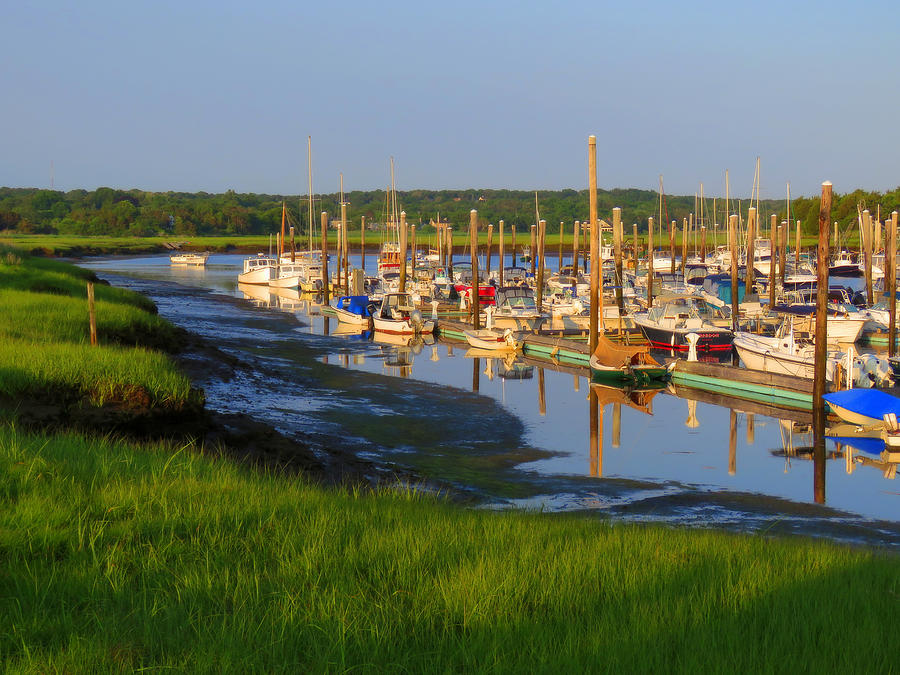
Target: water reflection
{"type": "Point", "coordinates": [671, 437]}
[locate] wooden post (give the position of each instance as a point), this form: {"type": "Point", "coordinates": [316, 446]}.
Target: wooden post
{"type": "Point", "coordinates": [773, 249]}
{"type": "Point", "coordinates": [559, 264]}
{"type": "Point", "coordinates": [617, 253]}
{"type": "Point", "coordinates": [325, 278]}
{"type": "Point", "coordinates": [92, 314]}
{"type": "Point", "coordinates": [672, 247]}
{"type": "Point", "coordinates": [890, 283]}
{"type": "Point", "coordinates": [533, 248]}
{"type": "Point", "coordinates": [539, 287]}
{"type": "Point", "coordinates": [362, 244]}
{"type": "Point", "coordinates": [649, 262]}
{"type": "Point", "coordinates": [866, 245]}
{"type": "Point", "coordinates": [500, 262]}
{"type": "Point", "coordinates": [596, 263]}
{"type": "Point", "coordinates": [751, 252]}
{"type": "Point", "coordinates": [783, 257]}
{"type": "Point", "coordinates": [490, 245]}
{"type": "Point", "coordinates": [703, 244]}
{"type": "Point", "coordinates": [450, 252]}
{"type": "Point", "coordinates": [684, 248]}
{"type": "Point", "coordinates": [403, 245]}
{"type": "Point", "coordinates": [473, 245]}
{"type": "Point", "coordinates": [733, 247]}
{"type": "Point", "coordinates": [575, 248]}
{"type": "Point", "coordinates": [821, 348]}
{"type": "Point", "coordinates": [512, 253]}
{"type": "Point", "coordinates": [637, 250]}
{"type": "Point", "coordinates": [293, 253]}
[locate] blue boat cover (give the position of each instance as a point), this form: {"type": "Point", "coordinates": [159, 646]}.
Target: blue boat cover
{"type": "Point", "coordinates": [870, 402]}
{"type": "Point", "coordinates": [355, 304]}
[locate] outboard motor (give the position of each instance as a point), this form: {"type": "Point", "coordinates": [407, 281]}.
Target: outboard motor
{"type": "Point", "coordinates": [416, 320]}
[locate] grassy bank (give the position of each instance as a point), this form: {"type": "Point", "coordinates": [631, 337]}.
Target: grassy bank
{"type": "Point", "coordinates": [123, 556]}
{"type": "Point", "coordinates": [120, 555]}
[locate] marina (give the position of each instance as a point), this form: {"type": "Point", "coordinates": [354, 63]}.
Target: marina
{"type": "Point", "coordinates": [681, 453]}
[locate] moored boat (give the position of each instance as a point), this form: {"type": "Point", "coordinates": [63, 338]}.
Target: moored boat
{"type": "Point", "coordinates": [492, 339]}
{"type": "Point", "coordinates": [189, 258]}
{"type": "Point", "coordinates": [612, 362]}
{"type": "Point", "coordinates": [398, 315]}
{"type": "Point", "coordinates": [862, 406]}
{"type": "Point", "coordinates": [259, 269]}
{"type": "Point", "coordinates": [353, 309]}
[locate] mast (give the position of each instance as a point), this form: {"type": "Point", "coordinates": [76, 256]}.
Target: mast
{"type": "Point", "coordinates": [309, 172]}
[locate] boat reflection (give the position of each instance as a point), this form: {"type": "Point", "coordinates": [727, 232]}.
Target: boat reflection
{"type": "Point", "coordinates": [399, 351]}
{"type": "Point", "coordinates": [259, 296]}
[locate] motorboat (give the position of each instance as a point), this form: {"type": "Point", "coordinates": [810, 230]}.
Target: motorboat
{"type": "Point", "coordinates": [398, 315]}
{"type": "Point", "coordinates": [862, 407]}
{"type": "Point", "coordinates": [493, 339]}
{"type": "Point", "coordinates": [353, 309]}
{"type": "Point", "coordinates": [198, 259]}
{"type": "Point", "coordinates": [668, 324]}
{"type": "Point", "coordinates": [258, 269]}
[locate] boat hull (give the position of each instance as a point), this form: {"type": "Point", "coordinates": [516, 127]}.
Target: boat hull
{"type": "Point", "coordinates": [710, 341]}
{"type": "Point", "coordinates": [261, 275]}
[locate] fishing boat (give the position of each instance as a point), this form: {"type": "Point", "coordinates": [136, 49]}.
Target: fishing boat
{"type": "Point", "coordinates": [668, 324]}
{"type": "Point", "coordinates": [516, 308]}
{"type": "Point", "coordinates": [259, 269]}
{"type": "Point", "coordinates": [398, 315]}
{"type": "Point", "coordinates": [189, 258]}
{"type": "Point", "coordinates": [353, 309]}
{"type": "Point", "coordinates": [492, 339]}
{"type": "Point", "coordinates": [862, 407]}
{"type": "Point", "coordinates": [612, 362]}
{"type": "Point", "coordinates": [781, 353]}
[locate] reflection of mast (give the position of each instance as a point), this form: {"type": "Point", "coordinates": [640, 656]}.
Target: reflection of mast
{"type": "Point", "coordinates": [542, 399]}
{"type": "Point", "coordinates": [732, 444]}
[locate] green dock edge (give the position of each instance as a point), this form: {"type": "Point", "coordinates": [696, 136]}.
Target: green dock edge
{"type": "Point", "coordinates": [745, 390]}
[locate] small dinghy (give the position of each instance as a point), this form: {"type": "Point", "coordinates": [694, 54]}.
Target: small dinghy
{"type": "Point", "coordinates": [612, 362]}
{"type": "Point", "coordinates": [493, 340]}
{"type": "Point", "coordinates": [862, 406]}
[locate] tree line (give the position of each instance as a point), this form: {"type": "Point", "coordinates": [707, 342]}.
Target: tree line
{"type": "Point", "coordinates": [112, 212]}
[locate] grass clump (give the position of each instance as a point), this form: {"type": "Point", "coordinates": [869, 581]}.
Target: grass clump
{"type": "Point", "coordinates": [122, 556]}
{"type": "Point", "coordinates": [45, 353]}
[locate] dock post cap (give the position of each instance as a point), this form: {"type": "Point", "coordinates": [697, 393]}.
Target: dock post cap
{"type": "Point", "coordinates": [827, 182]}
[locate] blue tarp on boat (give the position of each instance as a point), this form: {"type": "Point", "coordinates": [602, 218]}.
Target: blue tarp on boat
{"type": "Point", "coordinates": [355, 304]}
{"type": "Point", "coordinates": [872, 403]}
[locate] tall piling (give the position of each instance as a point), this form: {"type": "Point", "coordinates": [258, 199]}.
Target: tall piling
{"type": "Point", "coordinates": [773, 257]}
{"type": "Point", "coordinates": [512, 252]}
{"type": "Point", "coordinates": [782, 269]}
{"type": "Point", "coordinates": [403, 245]}
{"type": "Point", "coordinates": [490, 248]}
{"type": "Point", "coordinates": [500, 262]}
{"type": "Point", "coordinates": [821, 348]}
{"type": "Point", "coordinates": [684, 248]}
{"type": "Point", "coordinates": [595, 248]}
{"type": "Point", "coordinates": [617, 257]}
{"type": "Point", "coordinates": [539, 287]}
{"type": "Point", "coordinates": [649, 262]}
{"type": "Point", "coordinates": [751, 251]}
{"type": "Point", "coordinates": [325, 279]}
{"type": "Point", "coordinates": [733, 247]}
{"type": "Point", "coordinates": [866, 244]}
{"type": "Point", "coordinates": [672, 247]}
{"type": "Point", "coordinates": [533, 255]}
{"type": "Point", "coordinates": [575, 248]}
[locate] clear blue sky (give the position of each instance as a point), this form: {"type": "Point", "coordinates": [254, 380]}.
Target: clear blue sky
{"type": "Point", "coordinates": [199, 95]}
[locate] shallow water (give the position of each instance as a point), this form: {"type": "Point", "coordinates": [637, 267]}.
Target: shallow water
{"type": "Point", "coordinates": [511, 434]}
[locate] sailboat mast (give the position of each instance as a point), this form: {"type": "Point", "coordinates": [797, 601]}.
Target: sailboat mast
{"type": "Point", "coordinates": [309, 172]}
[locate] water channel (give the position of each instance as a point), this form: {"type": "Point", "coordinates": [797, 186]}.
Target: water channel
{"type": "Point", "coordinates": [512, 433]}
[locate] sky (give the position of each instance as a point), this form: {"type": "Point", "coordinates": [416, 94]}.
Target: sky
{"type": "Point", "coordinates": [196, 95]}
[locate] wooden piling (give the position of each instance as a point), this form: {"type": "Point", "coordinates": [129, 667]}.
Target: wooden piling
{"type": "Point", "coordinates": [501, 263]}
{"type": "Point", "coordinates": [821, 348]}
{"type": "Point", "coordinates": [533, 255]}
{"type": "Point", "coordinates": [617, 253]}
{"type": "Point", "coordinates": [325, 279]}
{"type": "Point", "coordinates": [672, 247]}
{"type": "Point", "coordinates": [866, 244]}
{"type": "Point", "coordinates": [92, 314]}
{"type": "Point", "coordinates": [684, 248]}
{"type": "Point", "coordinates": [576, 253]}
{"type": "Point", "coordinates": [773, 257]}
{"type": "Point", "coordinates": [750, 277]}
{"type": "Point", "coordinates": [403, 249]}
{"type": "Point", "coordinates": [539, 287]}
{"type": "Point", "coordinates": [473, 246]}
{"type": "Point", "coordinates": [595, 248]}
{"type": "Point", "coordinates": [293, 251]}
{"type": "Point", "coordinates": [490, 247]}
{"type": "Point", "coordinates": [890, 283]}
{"type": "Point", "coordinates": [733, 247]}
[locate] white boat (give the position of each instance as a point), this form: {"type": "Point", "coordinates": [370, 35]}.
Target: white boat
{"type": "Point", "coordinates": [259, 269]}
{"type": "Point", "coordinates": [493, 340]}
{"type": "Point", "coordinates": [353, 309]}
{"type": "Point", "coordinates": [189, 258]}
{"type": "Point", "coordinates": [398, 315]}
{"type": "Point", "coordinates": [516, 308]}
{"type": "Point", "coordinates": [781, 353]}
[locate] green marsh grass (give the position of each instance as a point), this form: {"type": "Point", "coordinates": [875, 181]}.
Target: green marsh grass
{"type": "Point", "coordinates": [118, 556]}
